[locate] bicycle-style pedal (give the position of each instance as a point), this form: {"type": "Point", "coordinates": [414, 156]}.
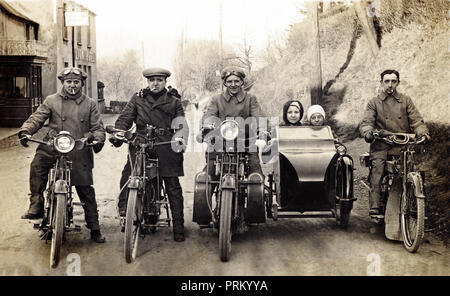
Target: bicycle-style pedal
{"type": "Point", "coordinates": [122, 224]}
{"type": "Point", "coordinates": [203, 226]}
{"type": "Point", "coordinates": [378, 219]}
{"type": "Point", "coordinates": [76, 228]}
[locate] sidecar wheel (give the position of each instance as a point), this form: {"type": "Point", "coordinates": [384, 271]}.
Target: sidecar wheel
{"type": "Point", "coordinates": [344, 190]}
{"type": "Point", "coordinates": [58, 229]}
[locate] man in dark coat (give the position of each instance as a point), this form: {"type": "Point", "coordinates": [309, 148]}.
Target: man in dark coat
{"type": "Point", "coordinates": [156, 106]}
{"type": "Point", "coordinates": [394, 112]}
{"type": "Point", "coordinates": [68, 110]}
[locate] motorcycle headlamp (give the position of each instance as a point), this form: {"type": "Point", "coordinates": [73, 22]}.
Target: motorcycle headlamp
{"type": "Point", "coordinates": [341, 150]}
{"type": "Point", "coordinates": [64, 142]}
{"type": "Point", "coordinates": [229, 130]}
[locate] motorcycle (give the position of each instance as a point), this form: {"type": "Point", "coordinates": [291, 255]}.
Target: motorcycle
{"type": "Point", "coordinates": [147, 197]}
{"type": "Point", "coordinates": [58, 202]}
{"type": "Point", "coordinates": [402, 190]}
{"type": "Point", "coordinates": [239, 196]}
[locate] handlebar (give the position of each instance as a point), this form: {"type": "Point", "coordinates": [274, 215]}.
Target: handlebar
{"type": "Point", "coordinates": [397, 138]}
{"type": "Point", "coordinates": [127, 136]}
{"type": "Point", "coordinates": [50, 142]}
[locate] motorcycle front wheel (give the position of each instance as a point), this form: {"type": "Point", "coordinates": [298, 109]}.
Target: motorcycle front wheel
{"type": "Point", "coordinates": [132, 225]}
{"type": "Point", "coordinates": [226, 211]}
{"type": "Point", "coordinates": [58, 228]}
{"type": "Point", "coordinates": [412, 218]}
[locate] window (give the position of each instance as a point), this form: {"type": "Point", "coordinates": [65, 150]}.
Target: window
{"type": "Point", "coordinates": [89, 45]}
{"type": "Point", "coordinates": [2, 24]}
{"type": "Point", "coordinates": [13, 87]}
{"type": "Point", "coordinates": [86, 85]}
{"type": "Point", "coordinates": [89, 79]}
{"type": "Point", "coordinates": [27, 31]}
{"type": "Point", "coordinates": [65, 33]}
{"type": "Point", "coordinates": [78, 32]}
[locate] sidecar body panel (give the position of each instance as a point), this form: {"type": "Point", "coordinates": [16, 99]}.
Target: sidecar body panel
{"type": "Point", "coordinates": [309, 149]}
{"type": "Point", "coordinates": [305, 173]}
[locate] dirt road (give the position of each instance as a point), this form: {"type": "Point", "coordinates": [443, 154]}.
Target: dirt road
{"type": "Point", "coordinates": [284, 247]}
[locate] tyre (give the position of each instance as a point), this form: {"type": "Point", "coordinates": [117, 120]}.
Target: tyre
{"type": "Point", "coordinates": [343, 191]}
{"type": "Point", "coordinates": [132, 225]}
{"type": "Point", "coordinates": [412, 218]}
{"type": "Point", "coordinates": [226, 207]}
{"type": "Point", "coordinates": [58, 228]}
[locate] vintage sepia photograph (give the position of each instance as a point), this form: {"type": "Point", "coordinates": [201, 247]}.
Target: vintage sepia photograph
{"type": "Point", "coordinates": [211, 138]}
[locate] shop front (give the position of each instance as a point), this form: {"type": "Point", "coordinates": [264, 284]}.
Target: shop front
{"type": "Point", "coordinates": [20, 89]}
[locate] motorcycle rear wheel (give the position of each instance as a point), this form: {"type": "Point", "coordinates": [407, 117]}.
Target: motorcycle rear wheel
{"type": "Point", "coordinates": [226, 211]}
{"type": "Point", "coordinates": [132, 225]}
{"type": "Point", "coordinates": [58, 228]}
{"type": "Point", "coordinates": [412, 219]}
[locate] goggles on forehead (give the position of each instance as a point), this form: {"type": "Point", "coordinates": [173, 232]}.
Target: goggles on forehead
{"type": "Point", "coordinates": [229, 73]}
{"type": "Point", "coordinates": [75, 71]}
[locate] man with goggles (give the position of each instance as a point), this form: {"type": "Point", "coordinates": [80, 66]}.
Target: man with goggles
{"type": "Point", "coordinates": [67, 110]}
{"type": "Point", "coordinates": [235, 102]}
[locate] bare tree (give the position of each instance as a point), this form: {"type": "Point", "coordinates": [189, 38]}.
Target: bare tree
{"type": "Point", "coordinates": [121, 74]}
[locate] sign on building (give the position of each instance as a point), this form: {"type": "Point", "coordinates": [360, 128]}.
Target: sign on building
{"type": "Point", "coordinates": [77, 18]}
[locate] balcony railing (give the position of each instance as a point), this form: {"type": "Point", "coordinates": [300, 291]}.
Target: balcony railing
{"type": "Point", "coordinates": [10, 47]}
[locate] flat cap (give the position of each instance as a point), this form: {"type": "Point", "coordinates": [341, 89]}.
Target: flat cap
{"type": "Point", "coordinates": [228, 71]}
{"type": "Point", "coordinates": [72, 73]}
{"type": "Point", "coordinates": [156, 71]}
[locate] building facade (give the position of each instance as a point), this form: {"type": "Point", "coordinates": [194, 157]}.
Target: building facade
{"type": "Point", "coordinates": [35, 44]}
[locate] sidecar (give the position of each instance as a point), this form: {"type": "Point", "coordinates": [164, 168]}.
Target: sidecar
{"type": "Point", "coordinates": [310, 175]}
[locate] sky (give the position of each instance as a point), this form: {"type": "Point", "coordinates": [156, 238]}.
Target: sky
{"type": "Point", "coordinates": [157, 26]}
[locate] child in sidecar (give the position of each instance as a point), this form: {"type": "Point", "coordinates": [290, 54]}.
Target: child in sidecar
{"type": "Point", "coordinates": [292, 113]}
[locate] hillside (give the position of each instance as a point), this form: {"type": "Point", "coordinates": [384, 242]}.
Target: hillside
{"type": "Point", "coordinates": [414, 42]}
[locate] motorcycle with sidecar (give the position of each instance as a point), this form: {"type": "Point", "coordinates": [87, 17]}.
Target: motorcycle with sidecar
{"type": "Point", "coordinates": [308, 175]}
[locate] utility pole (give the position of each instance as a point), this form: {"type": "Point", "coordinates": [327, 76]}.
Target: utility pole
{"type": "Point", "coordinates": [220, 41]}
{"type": "Point", "coordinates": [316, 74]}
{"type": "Point", "coordinates": [143, 55]}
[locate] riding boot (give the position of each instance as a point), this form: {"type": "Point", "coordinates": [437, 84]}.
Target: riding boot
{"type": "Point", "coordinates": [36, 209]}
{"type": "Point", "coordinates": [126, 172]}
{"type": "Point", "coordinates": [375, 181]}
{"type": "Point", "coordinates": [97, 237]}
{"type": "Point", "coordinates": [175, 194]}
{"type": "Point", "coordinates": [41, 164]}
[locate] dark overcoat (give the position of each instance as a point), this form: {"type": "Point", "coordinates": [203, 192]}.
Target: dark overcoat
{"type": "Point", "coordinates": [166, 112]}
{"type": "Point", "coordinates": [79, 117]}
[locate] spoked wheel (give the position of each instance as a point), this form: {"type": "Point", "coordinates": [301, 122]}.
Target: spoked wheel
{"type": "Point", "coordinates": [58, 228]}
{"type": "Point", "coordinates": [412, 218]}
{"type": "Point", "coordinates": [343, 191]}
{"type": "Point", "coordinates": [132, 225]}
{"type": "Point", "coordinates": [226, 206]}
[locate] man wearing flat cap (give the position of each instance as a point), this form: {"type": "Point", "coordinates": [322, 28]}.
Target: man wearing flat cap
{"type": "Point", "coordinates": [155, 106]}
{"type": "Point", "coordinates": [68, 110]}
